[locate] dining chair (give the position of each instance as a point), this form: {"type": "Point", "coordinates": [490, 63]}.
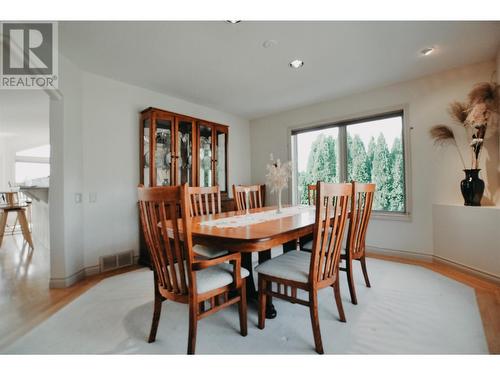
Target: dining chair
{"type": "Point", "coordinates": [257, 199]}
{"type": "Point", "coordinates": [361, 208]}
{"type": "Point", "coordinates": [257, 195]}
{"type": "Point", "coordinates": [20, 209]}
{"type": "Point", "coordinates": [311, 271]}
{"type": "Point", "coordinates": [205, 201]}
{"type": "Point", "coordinates": [166, 224]}
{"type": "Point", "coordinates": [311, 194]}
{"type": "Point", "coordinates": [305, 242]}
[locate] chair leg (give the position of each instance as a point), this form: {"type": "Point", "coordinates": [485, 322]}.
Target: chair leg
{"type": "Point", "coordinates": [14, 227]}
{"type": "Point", "coordinates": [21, 216]}
{"type": "Point", "coordinates": [365, 272]}
{"type": "Point", "coordinates": [3, 223]}
{"type": "Point", "coordinates": [262, 302]}
{"type": "Point", "coordinates": [350, 281]}
{"type": "Point", "coordinates": [243, 308]}
{"type": "Point", "coordinates": [156, 318]}
{"type": "Point", "coordinates": [246, 262]}
{"type": "Point", "coordinates": [338, 300]}
{"type": "Point", "coordinates": [313, 310]}
{"type": "Point", "coordinates": [193, 325]}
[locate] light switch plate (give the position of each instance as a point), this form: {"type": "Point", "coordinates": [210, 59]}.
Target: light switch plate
{"type": "Point", "coordinates": [78, 197]}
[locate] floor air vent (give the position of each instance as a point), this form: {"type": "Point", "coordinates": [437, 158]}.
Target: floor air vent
{"type": "Point", "coordinates": [111, 262]}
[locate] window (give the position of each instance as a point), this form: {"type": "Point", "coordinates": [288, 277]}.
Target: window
{"type": "Point", "coordinates": [32, 164]}
{"type": "Point", "coordinates": [364, 150]}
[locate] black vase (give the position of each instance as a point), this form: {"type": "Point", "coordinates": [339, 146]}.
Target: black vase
{"type": "Point", "coordinates": [472, 187]}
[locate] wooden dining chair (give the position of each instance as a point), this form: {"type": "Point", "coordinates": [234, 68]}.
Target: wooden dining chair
{"type": "Point", "coordinates": [361, 208]}
{"type": "Point", "coordinates": [256, 198]}
{"type": "Point", "coordinates": [311, 271]}
{"type": "Point", "coordinates": [20, 209]}
{"type": "Point", "coordinates": [205, 201]}
{"type": "Point", "coordinates": [166, 224]}
{"type": "Point", "coordinates": [311, 194]}
{"type": "Point", "coordinates": [305, 242]}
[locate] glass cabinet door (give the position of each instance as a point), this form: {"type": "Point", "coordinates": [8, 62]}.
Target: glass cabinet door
{"type": "Point", "coordinates": [205, 155]}
{"type": "Point", "coordinates": [163, 152]}
{"type": "Point", "coordinates": [220, 161]}
{"type": "Point", "coordinates": [146, 131]}
{"type": "Point", "coordinates": [184, 152]}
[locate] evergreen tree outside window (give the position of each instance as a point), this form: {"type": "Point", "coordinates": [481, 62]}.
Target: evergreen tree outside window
{"type": "Point", "coordinates": [320, 149]}
{"type": "Point", "coordinates": [373, 152]}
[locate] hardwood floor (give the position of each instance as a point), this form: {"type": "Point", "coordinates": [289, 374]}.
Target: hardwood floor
{"type": "Point", "coordinates": [25, 297]}
{"type": "Point", "coordinates": [26, 300]}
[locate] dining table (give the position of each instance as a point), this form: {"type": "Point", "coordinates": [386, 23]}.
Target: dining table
{"type": "Point", "coordinates": [255, 230]}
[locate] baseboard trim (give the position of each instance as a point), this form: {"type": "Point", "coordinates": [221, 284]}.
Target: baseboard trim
{"type": "Point", "coordinates": [411, 255]}
{"type": "Point", "coordinates": [467, 269]}
{"type": "Point", "coordinates": [399, 253]}
{"type": "Point", "coordinates": [65, 282]}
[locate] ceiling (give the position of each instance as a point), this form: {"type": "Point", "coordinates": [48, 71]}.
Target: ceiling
{"type": "Point", "coordinates": [226, 67]}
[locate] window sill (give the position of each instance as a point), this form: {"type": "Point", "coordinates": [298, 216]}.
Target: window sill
{"type": "Point", "coordinates": [393, 216]}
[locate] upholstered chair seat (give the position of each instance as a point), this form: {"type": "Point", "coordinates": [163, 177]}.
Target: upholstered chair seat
{"type": "Point", "coordinates": [213, 277]}
{"type": "Point", "coordinates": [209, 252]}
{"type": "Point", "coordinates": [293, 265]}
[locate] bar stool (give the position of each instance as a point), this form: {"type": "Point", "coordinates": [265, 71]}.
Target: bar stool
{"type": "Point", "coordinates": [20, 209]}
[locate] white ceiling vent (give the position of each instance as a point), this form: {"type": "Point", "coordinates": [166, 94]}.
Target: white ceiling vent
{"type": "Point", "coordinates": [111, 262]}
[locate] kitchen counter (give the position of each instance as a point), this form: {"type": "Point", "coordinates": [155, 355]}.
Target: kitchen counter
{"type": "Point", "coordinates": [37, 193]}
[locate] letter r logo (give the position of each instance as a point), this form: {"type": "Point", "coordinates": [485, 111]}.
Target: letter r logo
{"type": "Point", "coordinates": [27, 49]}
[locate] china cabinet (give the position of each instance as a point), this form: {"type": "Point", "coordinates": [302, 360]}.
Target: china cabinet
{"type": "Point", "coordinates": [212, 155]}
{"type": "Point", "coordinates": [176, 149]}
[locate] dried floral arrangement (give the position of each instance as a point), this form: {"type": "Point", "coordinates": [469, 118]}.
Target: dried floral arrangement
{"type": "Point", "coordinates": [278, 174]}
{"type": "Point", "coordinates": [478, 117]}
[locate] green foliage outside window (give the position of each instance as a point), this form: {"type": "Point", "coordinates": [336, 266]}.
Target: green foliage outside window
{"type": "Point", "coordinates": [376, 163]}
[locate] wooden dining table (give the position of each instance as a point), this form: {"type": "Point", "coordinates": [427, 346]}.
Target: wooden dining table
{"type": "Point", "coordinates": [258, 237]}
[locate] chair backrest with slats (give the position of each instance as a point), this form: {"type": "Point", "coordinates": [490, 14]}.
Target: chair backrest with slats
{"type": "Point", "coordinates": [170, 251]}
{"type": "Point", "coordinates": [256, 196]}
{"type": "Point", "coordinates": [332, 203]}
{"type": "Point", "coordinates": [311, 194]}
{"type": "Point", "coordinates": [361, 208]}
{"type": "Point", "coordinates": [204, 200]}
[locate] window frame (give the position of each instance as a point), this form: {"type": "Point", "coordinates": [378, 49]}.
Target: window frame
{"type": "Point", "coordinates": [342, 124]}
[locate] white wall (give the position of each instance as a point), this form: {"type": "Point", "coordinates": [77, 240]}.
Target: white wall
{"type": "Point", "coordinates": [435, 174]}
{"type": "Point", "coordinates": [66, 216]}
{"type": "Point", "coordinates": [476, 246]}
{"type": "Point", "coordinates": [110, 115]}
{"type": "Point", "coordinates": [95, 149]}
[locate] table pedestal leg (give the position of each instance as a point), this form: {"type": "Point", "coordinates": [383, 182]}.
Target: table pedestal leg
{"type": "Point", "coordinates": [290, 246]}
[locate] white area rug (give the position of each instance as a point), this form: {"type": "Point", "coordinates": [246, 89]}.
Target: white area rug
{"type": "Point", "coordinates": [408, 310]}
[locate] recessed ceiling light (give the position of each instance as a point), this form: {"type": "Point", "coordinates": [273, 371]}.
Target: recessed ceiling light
{"type": "Point", "coordinates": [269, 43]}
{"type": "Point", "coordinates": [427, 51]}
{"type": "Point", "coordinates": [233, 21]}
{"type": "Point", "coordinates": [296, 64]}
